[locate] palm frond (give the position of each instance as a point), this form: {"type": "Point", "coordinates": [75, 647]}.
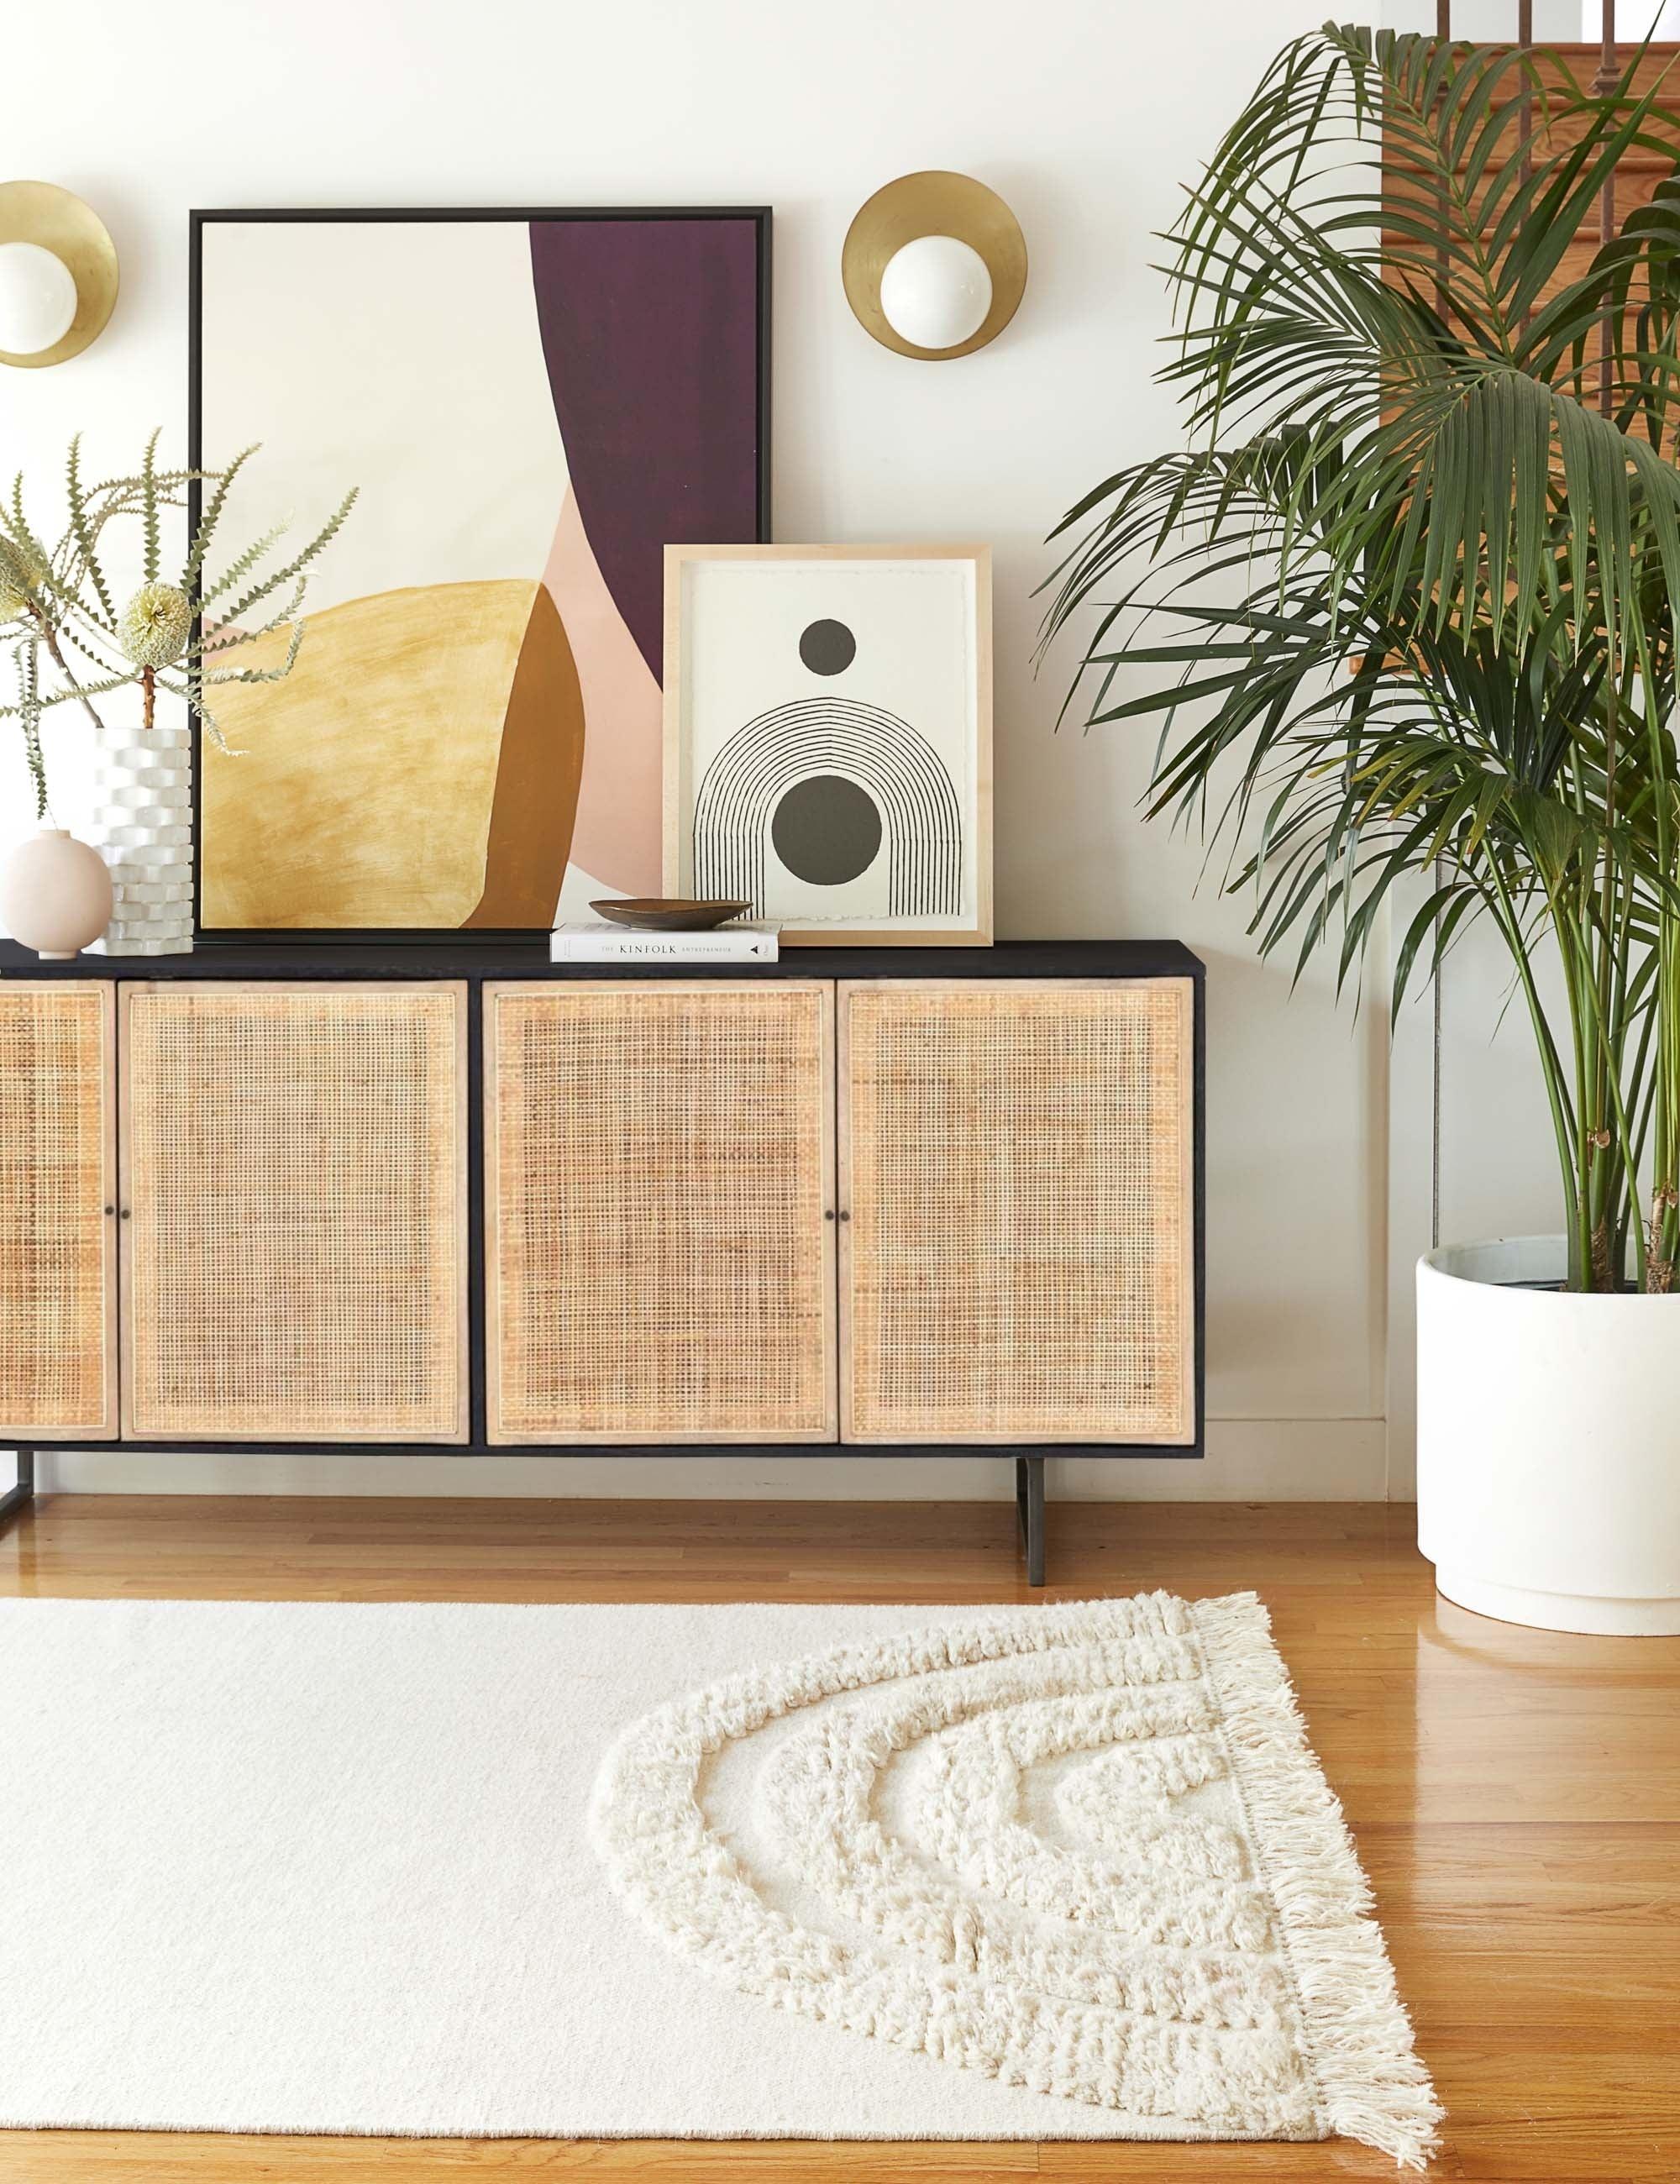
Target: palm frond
{"type": "Point", "coordinates": [1406, 603]}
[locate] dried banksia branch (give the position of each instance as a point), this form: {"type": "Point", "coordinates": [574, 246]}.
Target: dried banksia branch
{"type": "Point", "coordinates": [63, 599]}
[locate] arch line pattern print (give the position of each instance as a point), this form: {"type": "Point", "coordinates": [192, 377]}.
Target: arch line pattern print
{"type": "Point", "coordinates": [921, 817]}
{"type": "Point", "coordinates": [1086, 1850]}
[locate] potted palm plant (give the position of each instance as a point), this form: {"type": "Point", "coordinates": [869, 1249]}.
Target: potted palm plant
{"type": "Point", "coordinates": [1403, 615]}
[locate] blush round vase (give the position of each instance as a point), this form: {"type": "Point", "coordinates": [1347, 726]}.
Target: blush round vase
{"type": "Point", "coordinates": [55, 895]}
{"type": "Point", "coordinates": [143, 825]}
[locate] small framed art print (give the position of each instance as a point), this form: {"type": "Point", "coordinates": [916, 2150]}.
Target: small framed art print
{"type": "Point", "coordinates": [828, 738]}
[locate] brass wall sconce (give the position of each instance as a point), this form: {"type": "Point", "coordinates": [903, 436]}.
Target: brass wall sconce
{"type": "Point", "coordinates": [935, 264]}
{"type": "Point", "coordinates": [57, 274]}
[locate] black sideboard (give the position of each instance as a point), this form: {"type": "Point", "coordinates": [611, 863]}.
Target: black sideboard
{"type": "Point", "coordinates": [454, 1198]}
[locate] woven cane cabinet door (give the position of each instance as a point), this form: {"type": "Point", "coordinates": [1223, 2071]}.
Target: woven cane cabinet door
{"type": "Point", "coordinates": [1017, 1254]}
{"type": "Point", "coordinates": [58, 1236]}
{"type": "Point", "coordinates": [659, 1212]}
{"type": "Point", "coordinates": [295, 1212]}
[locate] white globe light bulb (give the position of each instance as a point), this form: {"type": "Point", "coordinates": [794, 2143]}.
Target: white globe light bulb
{"type": "Point", "coordinates": [37, 299]}
{"type": "Point", "coordinates": [936, 292]}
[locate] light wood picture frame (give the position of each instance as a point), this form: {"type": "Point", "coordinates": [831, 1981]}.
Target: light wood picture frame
{"type": "Point", "coordinates": [828, 738]}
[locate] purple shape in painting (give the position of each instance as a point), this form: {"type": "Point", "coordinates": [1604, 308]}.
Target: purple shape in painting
{"type": "Point", "coordinates": [650, 333]}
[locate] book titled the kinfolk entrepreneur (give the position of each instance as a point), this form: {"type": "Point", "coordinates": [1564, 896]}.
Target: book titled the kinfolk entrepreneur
{"type": "Point", "coordinates": [743, 942]}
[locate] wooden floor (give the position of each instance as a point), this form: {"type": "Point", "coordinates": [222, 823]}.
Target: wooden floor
{"type": "Point", "coordinates": [1516, 1796]}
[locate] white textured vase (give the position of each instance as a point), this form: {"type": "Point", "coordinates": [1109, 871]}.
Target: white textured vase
{"type": "Point", "coordinates": [143, 828]}
{"type": "Point", "coordinates": [1548, 1443]}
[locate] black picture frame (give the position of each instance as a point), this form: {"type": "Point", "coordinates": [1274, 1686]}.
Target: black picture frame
{"type": "Point", "coordinates": [201, 218]}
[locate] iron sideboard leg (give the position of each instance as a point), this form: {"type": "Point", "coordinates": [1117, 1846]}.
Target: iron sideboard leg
{"type": "Point", "coordinates": [1029, 1502]}
{"type": "Point", "coordinates": [19, 1497]}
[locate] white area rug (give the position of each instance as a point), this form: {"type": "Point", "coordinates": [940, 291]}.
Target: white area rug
{"type": "Point", "coordinates": [1052, 1872]}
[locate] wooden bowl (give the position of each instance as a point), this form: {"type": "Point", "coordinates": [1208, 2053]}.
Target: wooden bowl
{"type": "Point", "coordinates": [655, 914]}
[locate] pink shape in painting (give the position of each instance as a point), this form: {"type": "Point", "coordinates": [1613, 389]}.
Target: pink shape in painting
{"type": "Point", "coordinates": [616, 836]}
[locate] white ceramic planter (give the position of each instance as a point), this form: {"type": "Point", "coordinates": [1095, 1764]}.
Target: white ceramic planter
{"type": "Point", "coordinates": [1548, 1443]}
{"type": "Point", "coordinates": [143, 829]}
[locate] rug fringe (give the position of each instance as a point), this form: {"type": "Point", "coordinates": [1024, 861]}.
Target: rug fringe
{"type": "Point", "coordinates": [1373, 2088]}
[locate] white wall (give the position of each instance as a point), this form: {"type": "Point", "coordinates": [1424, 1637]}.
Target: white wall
{"type": "Point", "coordinates": [1633, 18]}
{"type": "Point", "coordinates": [1089, 117]}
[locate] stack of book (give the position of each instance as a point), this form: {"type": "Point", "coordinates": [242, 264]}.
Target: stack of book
{"type": "Point", "coordinates": [743, 942]}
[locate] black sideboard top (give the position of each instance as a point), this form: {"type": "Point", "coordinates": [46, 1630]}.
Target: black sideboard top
{"type": "Point", "coordinates": [490, 958]}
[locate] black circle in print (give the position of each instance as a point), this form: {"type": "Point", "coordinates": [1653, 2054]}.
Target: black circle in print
{"type": "Point", "coordinates": [826, 830]}
{"type": "Point", "coordinates": [827, 647]}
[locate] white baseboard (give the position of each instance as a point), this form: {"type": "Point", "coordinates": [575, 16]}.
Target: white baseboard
{"type": "Point", "coordinates": [1248, 1460]}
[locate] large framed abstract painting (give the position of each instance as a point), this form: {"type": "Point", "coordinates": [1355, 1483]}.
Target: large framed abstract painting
{"type": "Point", "coordinates": [828, 738]}
{"type": "Point", "coordinates": [534, 404]}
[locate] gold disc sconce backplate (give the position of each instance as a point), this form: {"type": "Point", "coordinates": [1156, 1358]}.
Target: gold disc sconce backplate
{"type": "Point", "coordinates": [49, 240]}
{"type": "Point", "coordinates": [936, 254]}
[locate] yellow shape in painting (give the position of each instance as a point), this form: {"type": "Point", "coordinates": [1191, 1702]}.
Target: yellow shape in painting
{"type": "Point", "coordinates": [364, 794]}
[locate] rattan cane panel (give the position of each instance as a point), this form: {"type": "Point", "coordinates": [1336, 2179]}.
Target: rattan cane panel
{"type": "Point", "coordinates": [662, 1269]}
{"type": "Point", "coordinates": [56, 1292]}
{"type": "Point", "coordinates": [1018, 1262]}
{"type": "Point", "coordinates": [295, 1251]}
